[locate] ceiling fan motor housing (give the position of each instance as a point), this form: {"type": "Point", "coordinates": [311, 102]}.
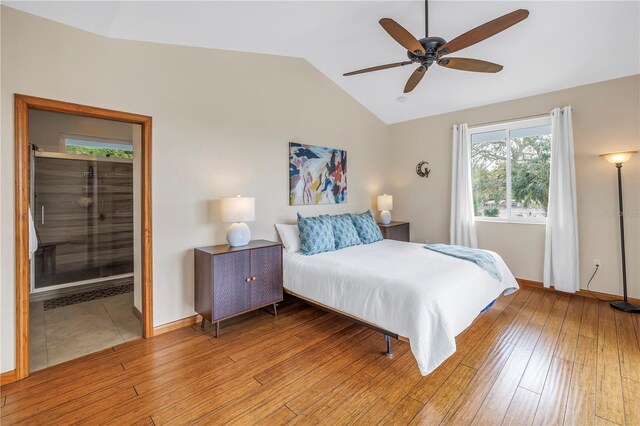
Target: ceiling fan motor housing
{"type": "Point", "coordinates": [431, 46]}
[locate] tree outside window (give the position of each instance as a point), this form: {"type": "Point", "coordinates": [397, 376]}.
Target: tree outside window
{"type": "Point", "coordinates": [98, 148]}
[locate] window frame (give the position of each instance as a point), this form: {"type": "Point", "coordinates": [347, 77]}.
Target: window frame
{"type": "Point", "coordinates": [508, 127]}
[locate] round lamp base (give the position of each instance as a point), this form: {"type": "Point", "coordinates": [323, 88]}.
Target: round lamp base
{"type": "Point", "coordinates": [238, 234]}
{"type": "Point", "coordinates": [385, 217]}
{"type": "Point", "coordinates": [626, 307]}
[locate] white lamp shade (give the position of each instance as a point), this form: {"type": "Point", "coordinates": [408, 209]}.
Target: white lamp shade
{"type": "Point", "coordinates": [618, 157]}
{"type": "Point", "coordinates": [238, 209]}
{"type": "Point", "coordinates": [385, 202]}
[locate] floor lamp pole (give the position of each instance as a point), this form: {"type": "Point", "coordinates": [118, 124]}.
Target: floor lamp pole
{"type": "Point", "coordinates": [623, 305]}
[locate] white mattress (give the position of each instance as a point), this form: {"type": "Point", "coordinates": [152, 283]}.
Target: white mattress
{"type": "Point", "coordinates": [403, 288]}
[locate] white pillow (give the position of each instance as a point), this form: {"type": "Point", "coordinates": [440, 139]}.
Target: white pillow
{"type": "Point", "coordinates": [290, 237]}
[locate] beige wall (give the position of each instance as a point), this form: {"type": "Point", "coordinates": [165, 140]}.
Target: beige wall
{"type": "Point", "coordinates": [221, 125]}
{"type": "Point", "coordinates": [606, 118]}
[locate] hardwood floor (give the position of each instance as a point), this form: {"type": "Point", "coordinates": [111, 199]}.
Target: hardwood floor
{"type": "Point", "coordinates": [536, 357]}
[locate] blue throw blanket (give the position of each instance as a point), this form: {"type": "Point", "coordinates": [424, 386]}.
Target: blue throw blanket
{"type": "Point", "coordinates": [481, 258]}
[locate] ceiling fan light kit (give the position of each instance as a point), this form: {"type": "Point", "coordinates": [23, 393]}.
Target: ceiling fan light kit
{"type": "Point", "coordinates": [429, 50]}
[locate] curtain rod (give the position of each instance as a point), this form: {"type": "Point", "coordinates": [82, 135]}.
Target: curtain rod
{"type": "Point", "coordinates": [511, 120]}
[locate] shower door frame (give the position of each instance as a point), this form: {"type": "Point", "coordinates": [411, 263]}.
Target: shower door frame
{"type": "Point", "coordinates": [80, 157]}
{"type": "Point", "coordinates": [23, 103]}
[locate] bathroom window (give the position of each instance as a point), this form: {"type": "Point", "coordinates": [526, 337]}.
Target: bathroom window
{"type": "Point", "coordinates": [97, 147]}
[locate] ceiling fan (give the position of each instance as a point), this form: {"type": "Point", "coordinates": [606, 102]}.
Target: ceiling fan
{"type": "Point", "coordinates": [428, 50]}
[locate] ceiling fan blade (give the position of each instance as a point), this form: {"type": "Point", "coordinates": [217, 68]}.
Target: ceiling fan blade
{"type": "Point", "coordinates": [483, 32]}
{"type": "Point", "coordinates": [415, 79]}
{"type": "Point", "coordinates": [466, 64]}
{"type": "Point", "coordinates": [377, 68]}
{"type": "Point", "coordinates": [402, 36]}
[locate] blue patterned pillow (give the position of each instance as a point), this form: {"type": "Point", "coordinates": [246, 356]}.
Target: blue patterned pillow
{"type": "Point", "coordinates": [344, 232]}
{"type": "Point", "coordinates": [316, 234]}
{"type": "Point", "coordinates": [367, 227]}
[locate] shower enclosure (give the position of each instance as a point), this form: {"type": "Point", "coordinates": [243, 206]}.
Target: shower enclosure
{"type": "Point", "coordinates": [82, 210]}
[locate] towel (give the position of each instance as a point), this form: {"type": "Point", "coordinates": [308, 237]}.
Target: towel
{"type": "Point", "coordinates": [480, 257]}
{"type": "Point", "coordinates": [33, 238]}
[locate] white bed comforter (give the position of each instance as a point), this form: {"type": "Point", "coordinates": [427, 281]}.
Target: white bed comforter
{"type": "Point", "coordinates": [402, 287]}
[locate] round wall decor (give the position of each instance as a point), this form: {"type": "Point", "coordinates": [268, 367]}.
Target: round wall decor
{"type": "Point", "coordinates": [422, 170]}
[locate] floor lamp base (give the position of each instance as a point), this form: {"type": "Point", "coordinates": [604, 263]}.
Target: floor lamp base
{"type": "Point", "coordinates": [626, 307]}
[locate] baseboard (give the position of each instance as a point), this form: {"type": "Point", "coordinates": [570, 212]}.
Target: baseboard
{"type": "Point", "coordinates": [8, 377]}
{"type": "Point", "coordinates": [585, 293]}
{"type": "Point", "coordinates": [184, 322]}
{"type": "Point", "coordinates": [137, 313]}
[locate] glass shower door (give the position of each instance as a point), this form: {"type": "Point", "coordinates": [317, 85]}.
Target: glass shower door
{"type": "Point", "coordinates": [63, 201]}
{"type": "Point", "coordinates": [83, 215]}
{"type": "Point", "coordinates": [114, 217]}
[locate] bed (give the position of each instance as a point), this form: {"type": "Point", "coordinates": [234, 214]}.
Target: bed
{"type": "Point", "coordinates": [399, 288]}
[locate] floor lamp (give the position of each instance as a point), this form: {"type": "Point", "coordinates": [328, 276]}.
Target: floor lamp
{"type": "Point", "coordinates": [618, 159]}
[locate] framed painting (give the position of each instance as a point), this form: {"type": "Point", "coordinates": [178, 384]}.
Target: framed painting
{"type": "Point", "coordinates": [317, 175]}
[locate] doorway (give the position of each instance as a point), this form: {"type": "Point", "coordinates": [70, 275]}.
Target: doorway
{"type": "Point", "coordinates": [75, 198]}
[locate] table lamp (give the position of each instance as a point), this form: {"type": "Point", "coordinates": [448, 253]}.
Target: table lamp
{"type": "Point", "coordinates": [385, 203]}
{"type": "Point", "coordinates": [618, 159]}
{"type": "Point", "coordinates": [238, 210]}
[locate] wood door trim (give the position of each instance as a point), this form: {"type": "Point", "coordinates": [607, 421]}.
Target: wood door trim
{"type": "Point", "coordinates": [22, 104]}
{"type": "Point", "coordinates": [8, 377]}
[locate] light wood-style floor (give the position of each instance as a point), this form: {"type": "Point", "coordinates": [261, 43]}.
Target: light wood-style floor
{"type": "Point", "coordinates": [536, 357]}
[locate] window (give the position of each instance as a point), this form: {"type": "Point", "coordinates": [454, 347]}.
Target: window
{"type": "Point", "coordinates": [510, 170]}
{"type": "Point", "coordinates": [97, 147]}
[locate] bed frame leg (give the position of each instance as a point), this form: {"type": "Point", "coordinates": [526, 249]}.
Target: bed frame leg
{"type": "Point", "coordinates": [387, 340]}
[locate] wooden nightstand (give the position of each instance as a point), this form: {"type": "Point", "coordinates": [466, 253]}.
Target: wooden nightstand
{"type": "Point", "coordinates": [230, 281]}
{"type": "Point", "coordinates": [395, 231]}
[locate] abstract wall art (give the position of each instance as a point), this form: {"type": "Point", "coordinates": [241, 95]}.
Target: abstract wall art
{"type": "Point", "coordinates": [317, 175]}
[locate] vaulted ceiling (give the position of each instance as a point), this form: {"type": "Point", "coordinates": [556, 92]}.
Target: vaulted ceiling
{"type": "Point", "coordinates": [560, 45]}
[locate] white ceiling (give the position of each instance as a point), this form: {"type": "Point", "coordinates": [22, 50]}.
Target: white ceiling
{"type": "Point", "coordinates": [561, 44]}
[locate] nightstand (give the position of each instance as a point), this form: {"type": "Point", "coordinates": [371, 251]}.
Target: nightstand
{"type": "Point", "coordinates": [230, 281]}
{"type": "Point", "coordinates": [395, 231]}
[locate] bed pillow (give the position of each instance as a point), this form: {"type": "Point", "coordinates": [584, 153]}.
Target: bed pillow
{"type": "Point", "coordinates": [290, 237]}
{"type": "Point", "coordinates": [316, 234]}
{"type": "Point", "coordinates": [344, 233]}
{"type": "Point", "coordinates": [367, 227]}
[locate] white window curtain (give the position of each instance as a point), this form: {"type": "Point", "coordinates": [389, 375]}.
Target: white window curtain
{"type": "Point", "coordinates": [463, 226]}
{"type": "Point", "coordinates": [561, 266]}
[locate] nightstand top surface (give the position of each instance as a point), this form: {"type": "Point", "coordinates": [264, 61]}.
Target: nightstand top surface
{"type": "Point", "coordinates": [226, 248]}
{"type": "Point", "coordinates": [393, 224]}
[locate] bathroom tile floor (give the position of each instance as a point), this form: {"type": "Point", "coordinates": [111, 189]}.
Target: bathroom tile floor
{"type": "Point", "coordinates": [69, 332]}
